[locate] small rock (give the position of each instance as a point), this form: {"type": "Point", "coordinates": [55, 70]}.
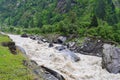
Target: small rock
{"type": "Point", "coordinates": [50, 44]}
{"type": "Point", "coordinates": [60, 48]}
{"type": "Point", "coordinates": [32, 37]}
{"type": "Point", "coordinates": [71, 44]}
{"type": "Point", "coordinates": [61, 39]}
{"type": "Point", "coordinates": [77, 59]}
{"type": "Point", "coordinates": [24, 35]}
{"type": "Point", "coordinates": [44, 40]}
{"type": "Point", "coordinates": [39, 42]}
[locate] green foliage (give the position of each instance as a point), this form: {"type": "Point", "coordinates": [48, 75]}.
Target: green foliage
{"type": "Point", "coordinates": [31, 30]}
{"type": "Point", "coordinates": [47, 29]}
{"type": "Point", "coordinates": [106, 32]}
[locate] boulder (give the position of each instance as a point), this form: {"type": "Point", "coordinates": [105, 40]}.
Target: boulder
{"type": "Point", "coordinates": [43, 72]}
{"type": "Point", "coordinates": [67, 52]}
{"type": "Point", "coordinates": [6, 44]}
{"type": "Point", "coordinates": [47, 73]}
{"type": "Point", "coordinates": [54, 73]}
{"type": "Point", "coordinates": [111, 58]}
{"type": "Point", "coordinates": [24, 35]}
{"type": "Point", "coordinates": [61, 39]}
{"type": "Point", "coordinates": [33, 37]}
{"type": "Point", "coordinates": [72, 55]}
{"type": "Point", "coordinates": [11, 46]}
{"type": "Point", "coordinates": [38, 38]}
{"type": "Point", "coordinates": [21, 49]}
{"type": "Point", "coordinates": [91, 46]}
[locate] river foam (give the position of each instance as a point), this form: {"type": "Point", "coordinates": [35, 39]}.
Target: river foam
{"type": "Point", "coordinates": [88, 68]}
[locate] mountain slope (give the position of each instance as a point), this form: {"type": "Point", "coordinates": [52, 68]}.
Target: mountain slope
{"type": "Point", "coordinates": [35, 13]}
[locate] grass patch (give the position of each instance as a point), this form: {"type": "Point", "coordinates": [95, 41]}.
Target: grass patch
{"type": "Point", "coordinates": [4, 38]}
{"type": "Point", "coordinates": [11, 66]}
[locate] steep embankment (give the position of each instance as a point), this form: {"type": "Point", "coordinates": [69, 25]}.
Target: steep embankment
{"type": "Point", "coordinates": [88, 68]}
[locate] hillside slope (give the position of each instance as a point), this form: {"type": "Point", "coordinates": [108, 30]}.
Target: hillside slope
{"type": "Point", "coordinates": [63, 16]}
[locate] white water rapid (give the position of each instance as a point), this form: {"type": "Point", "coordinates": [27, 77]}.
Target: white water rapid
{"type": "Point", "coordinates": [88, 68]}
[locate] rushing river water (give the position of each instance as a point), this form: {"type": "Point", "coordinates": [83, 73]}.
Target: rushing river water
{"type": "Point", "coordinates": [88, 68]}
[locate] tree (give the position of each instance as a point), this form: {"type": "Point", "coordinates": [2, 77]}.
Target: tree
{"type": "Point", "coordinates": [94, 22]}
{"type": "Point", "coordinates": [111, 17]}
{"type": "Point", "coordinates": [100, 9]}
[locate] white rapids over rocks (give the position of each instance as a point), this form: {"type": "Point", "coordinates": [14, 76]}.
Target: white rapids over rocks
{"type": "Point", "coordinates": [88, 68]}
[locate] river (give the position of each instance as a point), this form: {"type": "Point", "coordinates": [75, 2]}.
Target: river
{"type": "Point", "coordinates": [88, 68]}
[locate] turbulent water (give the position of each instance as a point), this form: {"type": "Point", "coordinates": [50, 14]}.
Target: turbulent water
{"type": "Point", "coordinates": [88, 68]}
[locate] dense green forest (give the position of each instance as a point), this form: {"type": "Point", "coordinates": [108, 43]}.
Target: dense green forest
{"type": "Point", "coordinates": [78, 17]}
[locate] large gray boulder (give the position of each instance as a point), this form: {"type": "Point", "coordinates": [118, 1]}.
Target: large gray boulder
{"type": "Point", "coordinates": [91, 46]}
{"type": "Point", "coordinates": [111, 58]}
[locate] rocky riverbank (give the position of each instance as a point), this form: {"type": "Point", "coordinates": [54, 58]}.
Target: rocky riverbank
{"type": "Point", "coordinates": [87, 68]}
